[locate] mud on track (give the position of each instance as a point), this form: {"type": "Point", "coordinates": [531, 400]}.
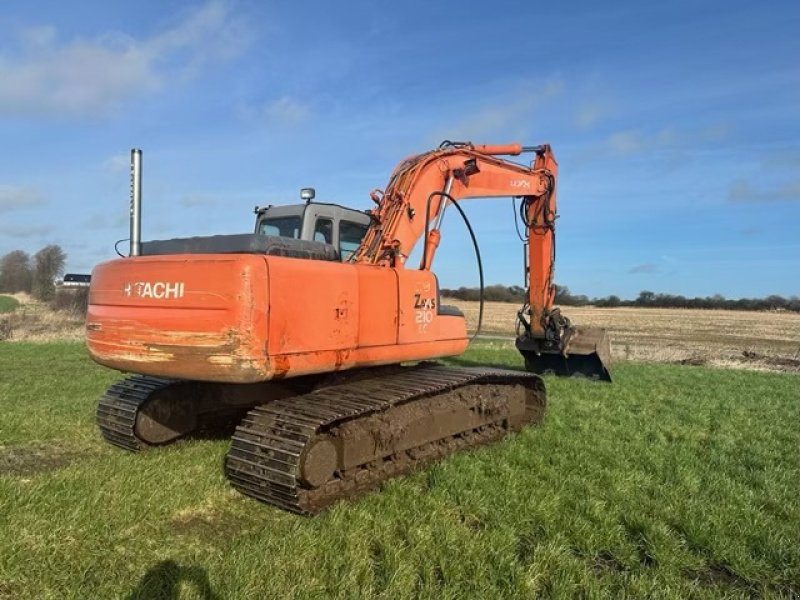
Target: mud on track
{"type": "Point", "coordinates": [304, 453]}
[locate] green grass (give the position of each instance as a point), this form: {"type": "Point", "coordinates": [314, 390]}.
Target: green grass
{"type": "Point", "coordinates": [673, 482]}
{"type": "Point", "coordinates": [8, 304]}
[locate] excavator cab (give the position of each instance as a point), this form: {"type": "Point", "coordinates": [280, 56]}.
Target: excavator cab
{"type": "Point", "coordinates": [312, 230]}
{"type": "Point", "coordinates": [339, 226]}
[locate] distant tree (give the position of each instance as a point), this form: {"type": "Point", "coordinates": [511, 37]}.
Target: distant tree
{"type": "Point", "coordinates": [468, 293]}
{"type": "Point", "coordinates": [15, 272]}
{"type": "Point", "coordinates": [776, 302]}
{"type": "Point", "coordinates": [565, 298]}
{"type": "Point", "coordinates": [518, 291]}
{"type": "Point", "coordinates": [646, 298]}
{"type": "Point", "coordinates": [49, 265]}
{"type": "Point", "coordinates": [491, 293]}
{"type": "Point", "coordinates": [611, 301]}
{"type": "Point", "coordinates": [500, 293]}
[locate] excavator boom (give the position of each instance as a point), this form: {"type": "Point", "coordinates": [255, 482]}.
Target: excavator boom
{"type": "Point", "coordinates": [415, 201]}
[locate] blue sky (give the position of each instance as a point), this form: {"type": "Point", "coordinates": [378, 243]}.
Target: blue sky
{"type": "Point", "coordinates": [676, 126]}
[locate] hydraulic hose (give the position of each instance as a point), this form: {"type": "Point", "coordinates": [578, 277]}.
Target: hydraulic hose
{"type": "Point", "coordinates": [474, 245]}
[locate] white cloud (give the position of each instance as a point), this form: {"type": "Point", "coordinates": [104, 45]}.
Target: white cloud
{"type": "Point", "coordinates": [589, 115]}
{"type": "Point", "coordinates": [207, 35]}
{"type": "Point", "coordinates": [36, 38]}
{"type": "Point", "coordinates": [751, 231]}
{"type": "Point", "coordinates": [120, 219]}
{"type": "Point", "coordinates": [100, 221]}
{"type": "Point", "coordinates": [501, 116]}
{"type": "Point", "coordinates": [743, 191]}
{"type": "Point", "coordinates": [197, 200]}
{"type": "Point", "coordinates": [633, 141]}
{"type": "Point", "coordinates": [85, 77]}
{"type": "Point", "coordinates": [626, 142]}
{"type": "Point", "coordinates": [714, 133]}
{"type": "Point", "coordinates": [25, 231]}
{"type": "Point", "coordinates": [781, 159]}
{"type": "Point", "coordinates": [17, 197]}
{"type": "Point", "coordinates": [285, 111]}
{"type": "Point", "coordinates": [119, 163]}
{"type": "Point", "coordinates": [646, 268]}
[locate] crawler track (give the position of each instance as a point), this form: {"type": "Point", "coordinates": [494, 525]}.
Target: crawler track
{"type": "Point", "coordinates": [118, 407]}
{"type": "Point", "coordinates": [306, 452]}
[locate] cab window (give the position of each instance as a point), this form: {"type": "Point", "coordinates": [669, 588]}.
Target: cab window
{"type": "Point", "coordinates": [281, 226]}
{"type": "Point", "coordinates": [350, 236]}
{"type": "Point", "coordinates": [323, 231]}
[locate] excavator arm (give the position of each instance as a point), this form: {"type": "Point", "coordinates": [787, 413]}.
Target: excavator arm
{"type": "Point", "coordinates": [414, 203]}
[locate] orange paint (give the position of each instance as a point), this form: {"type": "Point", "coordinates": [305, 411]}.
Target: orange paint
{"type": "Point", "coordinates": [246, 318]}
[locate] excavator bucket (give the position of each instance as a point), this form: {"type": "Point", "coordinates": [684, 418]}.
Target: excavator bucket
{"type": "Point", "coordinates": [587, 354]}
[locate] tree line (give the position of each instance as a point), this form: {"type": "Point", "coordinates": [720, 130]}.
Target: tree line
{"type": "Point", "coordinates": [646, 298]}
{"type": "Point", "coordinates": [36, 275]}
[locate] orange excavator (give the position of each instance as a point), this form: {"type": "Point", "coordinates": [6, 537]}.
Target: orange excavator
{"type": "Point", "coordinates": [324, 360]}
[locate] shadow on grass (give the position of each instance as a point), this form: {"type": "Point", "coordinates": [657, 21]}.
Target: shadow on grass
{"type": "Point", "coordinates": [218, 427]}
{"type": "Point", "coordinates": [163, 582]}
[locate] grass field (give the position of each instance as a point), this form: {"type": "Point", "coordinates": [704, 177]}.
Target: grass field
{"type": "Point", "coordinates": [8, 304]}
{"type": "Point", "coordinates": [672, 482]}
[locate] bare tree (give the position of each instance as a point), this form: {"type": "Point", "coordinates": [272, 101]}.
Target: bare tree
{"type": "Point", "coordinates": [16, 274]}
{"type": "Point", "coordinates": [49, 265]}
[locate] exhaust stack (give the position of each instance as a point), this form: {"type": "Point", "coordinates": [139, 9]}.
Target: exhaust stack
{"type": "Point", "coordinates": [136, 203]}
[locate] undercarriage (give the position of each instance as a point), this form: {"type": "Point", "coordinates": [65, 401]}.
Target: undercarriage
{"type": "Point", "coordinates": [306, 443]}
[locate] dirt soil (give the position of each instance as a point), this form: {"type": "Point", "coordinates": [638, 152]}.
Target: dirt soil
{"type": "Point", "coordinates": [21, 461]}
{"type": "Point", "coordinates": [767, 341]}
